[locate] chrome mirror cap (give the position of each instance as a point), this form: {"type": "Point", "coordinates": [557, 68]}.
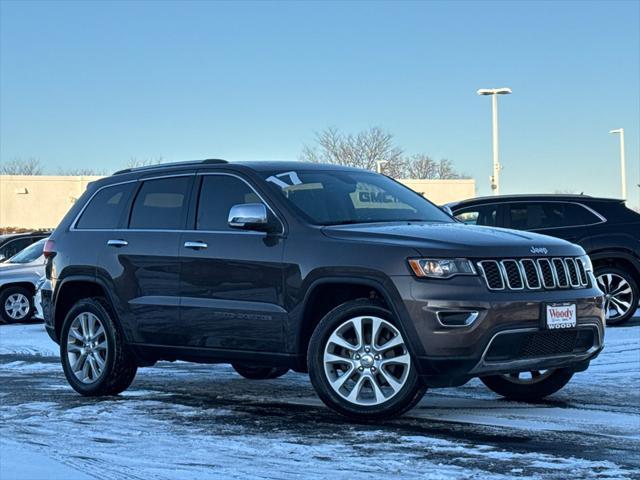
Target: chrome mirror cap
{"type": "Point", "coordinates": [249, 216]}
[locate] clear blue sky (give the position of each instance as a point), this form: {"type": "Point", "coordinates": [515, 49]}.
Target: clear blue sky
{"type": "Point", "coordinates": [95, 84]}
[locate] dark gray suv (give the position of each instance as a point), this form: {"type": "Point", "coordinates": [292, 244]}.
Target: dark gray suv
{"type": "Point", "coordinates": [339, 272]}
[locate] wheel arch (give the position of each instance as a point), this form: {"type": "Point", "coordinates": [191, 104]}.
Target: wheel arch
{"type": "Point", "coordinates": [20, 283]}
{"type": "Point", "coordinates": [616, 258]}
{"type": "Point", "coordinates": [73, 289]}
{"type": "Point", "coordinates": [350, 288]}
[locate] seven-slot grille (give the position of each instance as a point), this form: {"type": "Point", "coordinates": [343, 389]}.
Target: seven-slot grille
{"type": "Point", "coordinates": [534, 274]}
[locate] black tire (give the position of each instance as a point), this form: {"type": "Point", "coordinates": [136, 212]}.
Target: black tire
{"type": "Point", "coordinates": [8, 292]}
{"type": "Point", "coordinates": [635, 291]}
{"type": "Point", "coordinates": [530, 392]}
{"type": "Point", "coordinates": [405, 399]}
{"type": "Point", "coordinates": [120, 365]}
{"type": "Point", "coordinates": [259, 373]}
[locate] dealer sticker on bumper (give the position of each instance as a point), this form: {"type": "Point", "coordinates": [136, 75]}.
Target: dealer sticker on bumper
{"type": "Point", "coordinates": [561, 315]}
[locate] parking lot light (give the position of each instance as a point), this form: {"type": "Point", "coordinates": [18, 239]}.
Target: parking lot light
{"type": "Point", "coordinates": [494, 92]}
{"type": "Point", "coordinates": [623, 168]}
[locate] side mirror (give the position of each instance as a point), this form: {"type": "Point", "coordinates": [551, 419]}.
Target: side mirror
{"type": "Point", "coordinates": [447, 209]}
{"type": "Point", "coordinates": [249, 216]}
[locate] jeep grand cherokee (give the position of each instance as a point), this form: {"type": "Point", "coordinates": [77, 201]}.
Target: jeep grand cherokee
{"type": "Point", "coordinates": [339, 272]}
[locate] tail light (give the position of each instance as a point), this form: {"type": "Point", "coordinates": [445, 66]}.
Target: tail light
{"type": "Point", "coordinates": [49, 250]}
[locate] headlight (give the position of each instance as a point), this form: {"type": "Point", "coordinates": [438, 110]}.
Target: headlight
{"type": "Point", "coordinates": [441, 267]}
{"type": "Point", "coordinates": [586, 262]}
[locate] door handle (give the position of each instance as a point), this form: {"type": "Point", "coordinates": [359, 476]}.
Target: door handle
{"type": "Point", "coordinates": [195, 245]}
{"type": "Point", "coordinates": [117, 243]}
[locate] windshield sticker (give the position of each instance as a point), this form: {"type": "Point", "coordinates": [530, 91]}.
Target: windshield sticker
{"type": "Point", "coordinates": [278, 179]}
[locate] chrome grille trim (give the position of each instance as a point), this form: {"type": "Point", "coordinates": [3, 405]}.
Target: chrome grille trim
{"type": "Point", "coordinates": [562, 279]}
{"type": "Point", "coordinates": [572, 270]}
{"type": "Point", "coordinates": [529, 273]}
{"type": "Point", "coordinates": [582, 272]}
{"type": "Point", "coordinates": [504, 265]}
{"type": "Point", "coordinates": [481, 267]}
{"type": "Point", "coordinates": [538, 274]}
{"type": "Point", "coordinates": [545, 261]}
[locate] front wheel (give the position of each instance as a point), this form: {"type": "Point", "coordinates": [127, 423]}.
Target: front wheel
{"type": "Point", "coordinates": [529, 386]}
{"type": "Point", "coordinates": [359, 363]}
{"type": "Point", "coordinates": [259, 373]}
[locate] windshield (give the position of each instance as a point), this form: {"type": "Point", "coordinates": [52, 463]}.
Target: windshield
{"type": "Point", "coordinates": [344, 197]}
{"type": "Point", "coordinates": [29, 254]}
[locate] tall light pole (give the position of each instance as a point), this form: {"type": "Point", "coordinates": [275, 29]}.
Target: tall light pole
{"type": "Point", "coordinates": [494, 92]}
{"type": "Point", "coordinates": [623, 167]}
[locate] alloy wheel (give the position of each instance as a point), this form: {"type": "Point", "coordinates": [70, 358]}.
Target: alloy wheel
{"type": "Point", "coordinates": [17, 306]}
{"type": "Point", "coordinates": [366, 361]}
{"type": "Point", "coordinates": [87, 347]}
{"type": "Point", "coordinates": [618, 295]}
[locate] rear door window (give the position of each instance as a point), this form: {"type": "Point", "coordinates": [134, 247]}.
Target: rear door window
{"type": "Point", "coordinates": [161, 204]}
{"type": "Point", "coordinates": [105, 209]}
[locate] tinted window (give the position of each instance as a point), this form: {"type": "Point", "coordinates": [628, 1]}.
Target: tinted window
{"type": "Point", "coordinates": [105, 208]}
{"type": "Point", "coordinates": [218, 194]}
{"type": "Point", "coordinates": [342, 197]}
{"type": "Point", "coordinates": [481, 215]}
{"type": "Point", "coordinates": [12, 247]}
{"type": "Point", "coordinates": [161, 204]}
{"type": "Point", "coordinates": [536, 215]}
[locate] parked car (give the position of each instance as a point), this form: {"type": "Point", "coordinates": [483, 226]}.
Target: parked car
{"type": "Point", "coordinates": [12, 243]}
{"type": "Point", "coordinates": [18, 278]}
{"type": "Point", "coordinates": [607, 230]}
{"type": "Point", "coordinates": [340, 272]}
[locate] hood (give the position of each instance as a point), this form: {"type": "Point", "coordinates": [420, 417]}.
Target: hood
{"type": "Point", "coordinates": [11, 271]}
{"type": "Point", "coordinates": [457, 240]}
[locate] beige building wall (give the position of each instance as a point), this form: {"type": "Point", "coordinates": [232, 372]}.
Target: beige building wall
{"type": "Point", "coordinates": [443, 191]}
{"type": "Point", "coordinates": [38, 201]}
{"type": "Point", "coordinates": [41, 201]}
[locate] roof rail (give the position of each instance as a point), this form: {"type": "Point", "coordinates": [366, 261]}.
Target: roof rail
{"type": "Point", "coordinates": [208, 161]}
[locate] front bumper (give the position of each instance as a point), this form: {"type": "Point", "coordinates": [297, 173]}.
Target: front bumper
{"type": "Point", "coordinates": [508, 333]}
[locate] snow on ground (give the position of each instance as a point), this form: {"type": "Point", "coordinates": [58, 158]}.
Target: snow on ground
{"type": "Point", "coordinates": [181, 420]}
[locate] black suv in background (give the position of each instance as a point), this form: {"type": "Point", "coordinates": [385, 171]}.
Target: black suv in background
{"type": "Point", "coordinates": [340, 272]}
{"type": "Point", "coordinates": [607, 230]}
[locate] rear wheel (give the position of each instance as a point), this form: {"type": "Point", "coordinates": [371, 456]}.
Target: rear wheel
{"type": "Point", "coordinates": [95, 359]}
{"type": "Point", "coordinates": [621, 294]}
{"type": "Point", "coordinates": [529, 386]}
{"type": "Point", "coordinates": [259, 373]}
{"type": "Point", "coordinates": [16, 305]}
{"type": "Point", "coordinates": [359, 363]}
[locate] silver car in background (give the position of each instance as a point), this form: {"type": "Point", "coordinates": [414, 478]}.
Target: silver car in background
{"type": "Point", "coordinates": [18, 278]}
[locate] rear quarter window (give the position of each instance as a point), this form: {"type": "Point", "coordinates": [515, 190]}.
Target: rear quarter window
{"type": "Point", "coordinates": [540, 215]}
{"type": "Point", "coordinates": [106, 207]}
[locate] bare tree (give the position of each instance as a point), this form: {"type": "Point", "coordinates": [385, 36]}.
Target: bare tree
{"type": "Point", "coordinates": [420, 166]}
{"type": "Point", "coordinates": [362, 150]}
{"type": "Point", "coordinates": [143, 162]}
{"type": "Point", "coordinates": [367, 148]}
{"type": "Point", "coordinates": [18, 166]}
{"type": "Point", "coordinates": [82, 172]}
